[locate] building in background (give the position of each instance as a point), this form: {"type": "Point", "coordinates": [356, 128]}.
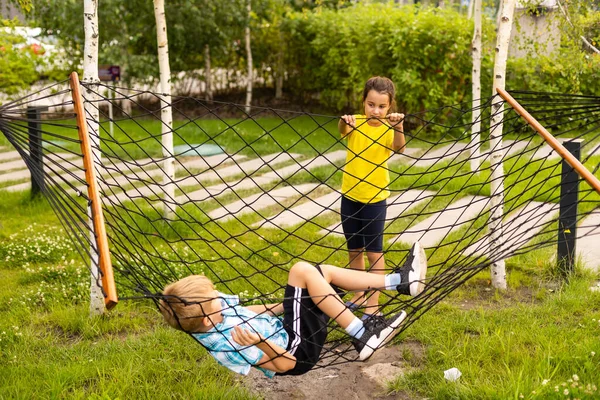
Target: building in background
{"type": "Point", "coordinates": [536, 29]}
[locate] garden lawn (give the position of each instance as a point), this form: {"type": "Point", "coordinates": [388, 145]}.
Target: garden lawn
{"type": "Point", "coordinates": [539, 339]}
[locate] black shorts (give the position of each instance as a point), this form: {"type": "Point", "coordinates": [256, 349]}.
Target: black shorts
{"type": "Point", "coordinates": [363, 224]}
{"type": "Point", "coordinates": [306, 326]}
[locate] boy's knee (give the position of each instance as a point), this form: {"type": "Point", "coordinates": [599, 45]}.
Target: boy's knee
{"type": "Point", "coordinates": [301, 268]}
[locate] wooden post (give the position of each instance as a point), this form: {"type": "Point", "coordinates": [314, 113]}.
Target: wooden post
{"type": "Point", "coordinates": [567, 220]}
{"type": "Point", "coordinates": [104, 263]}
{"type": "Point", "coordinates": [36, 150]}
{"type": "Point", "coordinates": [111, 99]}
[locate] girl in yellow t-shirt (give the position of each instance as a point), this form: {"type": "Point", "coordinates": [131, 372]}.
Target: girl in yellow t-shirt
{"type": "Point", "coordinates": [372, 138]}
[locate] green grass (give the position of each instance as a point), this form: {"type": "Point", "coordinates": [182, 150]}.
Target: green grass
{"type": "Point", "coordinates": [505, 343]}
{"type": "Point", "coordinates": [525, 343]}
{"type": "Point", "coordinates": [50, 348]}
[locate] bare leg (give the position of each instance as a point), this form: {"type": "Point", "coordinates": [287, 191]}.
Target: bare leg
{"type": "Point", "coordinates": [357, 262]}
{"type": "Point", "coordinates": [304, 275]}
{"type": "Point", "coordinates": [377, 263]}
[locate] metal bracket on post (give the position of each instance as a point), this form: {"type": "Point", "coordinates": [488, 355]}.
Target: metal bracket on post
{"type": "Point", "coordinates": [567, 221]}
{"type": "Point", "coordinates": [36, 151]}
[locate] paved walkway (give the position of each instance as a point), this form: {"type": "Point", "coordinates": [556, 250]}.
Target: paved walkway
{"type": "Point", "coordinates": [259, 201]}
{"type": "Point", "coordinates": [591, 151]}
{"type": "Point", "coordinates": [305, 212]}
{"type": "Point", "coordinates": [9, 155]}
{"type": "Point", "coordinates": [396, 206]}
{"type": "Point", "coordinates": [152, 179]}
{"type": "Point", "coordinates": [118, 174]}
{"type": "Point", "coordinates": [588, 244]}
{"type": "Point", "coordinates": [519, 227]}
{"type": "Point", "coordinates": [259, 181]}
{"type": "Point", "coordinates": [440, 154]}
{"type": "Point", "coordinates": [459, 214]}
{"type": "Point", "coordinates": [17, 169]}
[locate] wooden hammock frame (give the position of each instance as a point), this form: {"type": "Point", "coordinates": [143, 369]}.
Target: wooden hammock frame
{"type": "Point", "coordinates": [105, 264]}
{"type": "Point", "coordinates": [551, 140]}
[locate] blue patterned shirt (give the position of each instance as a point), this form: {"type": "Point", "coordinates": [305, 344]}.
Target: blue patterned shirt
{"type": "Point", "coordinates": [220, 344]}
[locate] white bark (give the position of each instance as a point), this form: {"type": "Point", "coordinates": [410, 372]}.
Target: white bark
{"type": "Point", "coordinates": [110, 95]}
{"type": "Point", "coordinates": [90, 77]}
{"type": "Point", "coordinates": [498, 269]}
{"type": "Point", "coordinates": [476, 76]}
{"type": "Point", "coordinates": [250, 77]}
{"type": "Point", "coordinates": [207, 73]}
{"type": "Point", "coordinates": [125, 104]}
{"type": "Point", "coordinates": [280, 69]}
{"type": "Point", "coordinates": [166, 115]}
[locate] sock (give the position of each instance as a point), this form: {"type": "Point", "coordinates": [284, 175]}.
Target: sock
{"type": "Point", "coordinates": [356, 328]}
{"type": "Point", "coordinates": [392, 281]}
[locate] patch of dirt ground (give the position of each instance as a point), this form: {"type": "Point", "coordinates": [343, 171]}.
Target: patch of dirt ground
{"type": "Point", "coordinates": [349, 381]}
{"type": "Point", "coordinates": [368, 380]}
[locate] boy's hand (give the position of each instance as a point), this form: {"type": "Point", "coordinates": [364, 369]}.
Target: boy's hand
{"type": "Point", "coordinates": [244, 337]}
{"type": "Point", "coordinates": [349, 120]}
{"type": "Point", "coordinates": [396, 119]}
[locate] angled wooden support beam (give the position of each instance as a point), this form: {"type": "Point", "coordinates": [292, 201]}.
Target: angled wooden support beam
{"type": "Point", "coordinates": [108, 281]}
{"type": "Point", "coordinates": [551, 140]}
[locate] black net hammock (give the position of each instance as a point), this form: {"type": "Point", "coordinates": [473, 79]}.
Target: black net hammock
{"type": "Point", "coordinates": [247, 193]}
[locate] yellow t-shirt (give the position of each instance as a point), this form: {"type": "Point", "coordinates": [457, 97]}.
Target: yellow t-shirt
{"type": "Point", "coordinates": [366, 176]}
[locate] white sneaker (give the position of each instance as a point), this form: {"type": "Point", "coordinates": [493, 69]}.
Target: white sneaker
{"type": "Point", "coordinates": [413, 271]}
{"type": "Point", "coordinates": [378, 332]}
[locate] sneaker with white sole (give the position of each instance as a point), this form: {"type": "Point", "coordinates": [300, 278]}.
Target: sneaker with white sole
{"type": "Point", "coordinates": [378, 332]}
{"type": "Point", "coordinates": [413, 272]}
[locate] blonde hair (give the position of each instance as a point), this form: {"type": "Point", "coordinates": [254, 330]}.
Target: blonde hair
{"type": "Point", "coordinates": [187, 300]}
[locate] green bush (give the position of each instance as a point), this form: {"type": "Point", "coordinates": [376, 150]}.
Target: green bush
{"type": "Point", "coordinates": [567, 71]}
{"type": "Point", "coordinates": [17, 61]}
{"type": "Point", "coordinates": [426, 52]}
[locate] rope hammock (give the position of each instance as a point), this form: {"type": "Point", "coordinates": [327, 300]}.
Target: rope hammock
{"type": "Point", "coordinates": [254, 193]}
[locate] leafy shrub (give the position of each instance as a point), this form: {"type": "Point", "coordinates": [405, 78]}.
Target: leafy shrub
{"type": "Point", "coordinates": [567, 71]}
{"type": "Point", "coordinates": [18, 62]}
{"type": "Point", "coordinates": [426, 52]}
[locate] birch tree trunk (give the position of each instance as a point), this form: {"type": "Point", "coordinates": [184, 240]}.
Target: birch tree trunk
{"type": "Point", "coordinates": [250, 77]}
{"type": "Point", "coordinates": [280, 70]}
{"type": "Point", "coordinates": [476, 76]}
{"type": "Point", "coordinates": [498, 269]}
{"type": "Point", "coordinates": [90, 77]}
{"type": "Point", "coordinates": [165, 112]}
{"type": "Point", "coordinates": [207, 73]}
{"type": "Point", "coordinates": [125, 104]}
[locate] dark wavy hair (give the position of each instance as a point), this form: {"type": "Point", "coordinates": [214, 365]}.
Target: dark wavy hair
{"type": "Point", "coordinates": [381, 85]}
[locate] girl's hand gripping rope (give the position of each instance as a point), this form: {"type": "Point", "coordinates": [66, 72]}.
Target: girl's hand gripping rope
{"type": "Point", "coordinates": [396, 120]}
{"type": "Point", "coordinates": [349, 120]}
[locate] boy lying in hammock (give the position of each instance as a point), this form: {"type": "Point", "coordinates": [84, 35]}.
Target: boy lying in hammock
{"type": "Point", "coordinates": [241, 337]}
